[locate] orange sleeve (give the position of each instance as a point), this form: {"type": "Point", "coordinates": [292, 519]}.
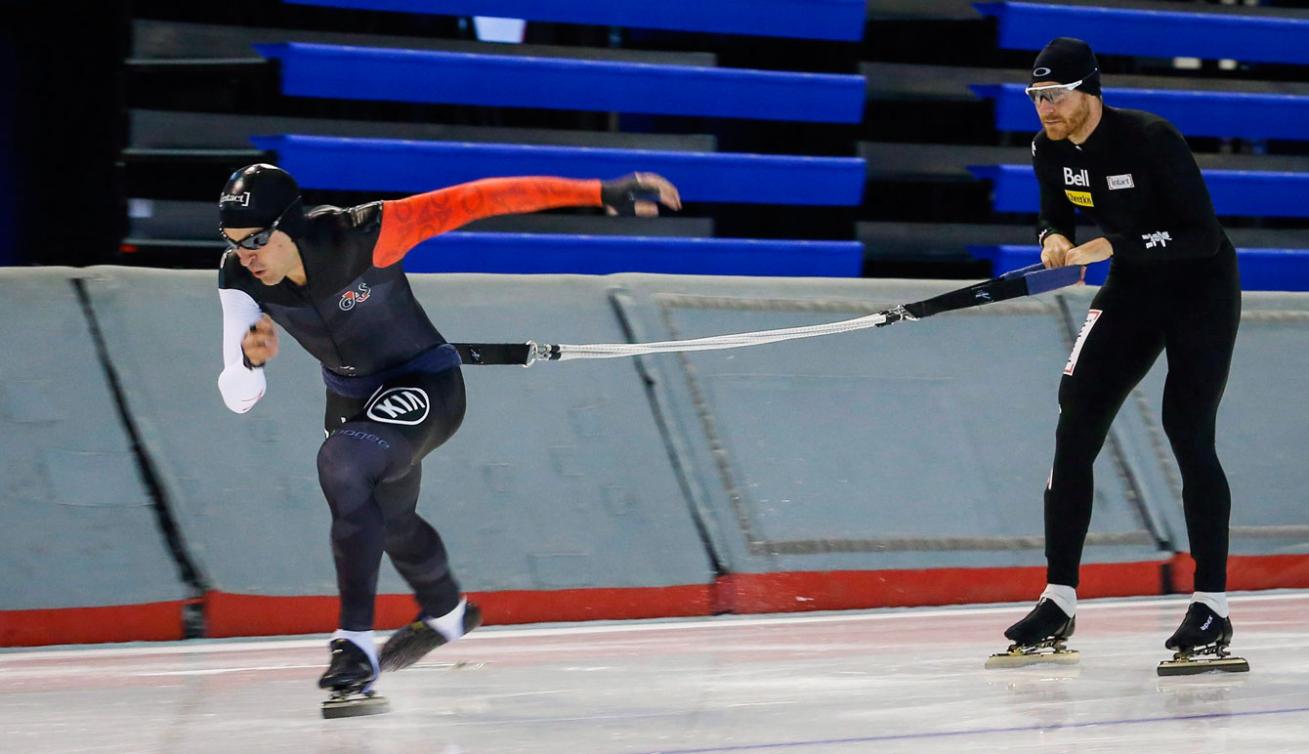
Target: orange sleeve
{"type": "Point", "coordinates": [410, 221]}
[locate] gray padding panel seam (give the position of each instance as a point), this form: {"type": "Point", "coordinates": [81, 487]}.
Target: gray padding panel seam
{"type": "Point", "coordinates": [193, 613]}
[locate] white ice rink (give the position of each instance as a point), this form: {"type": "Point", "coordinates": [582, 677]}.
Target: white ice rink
{"type": "Point", "coordinates": [875, 681]}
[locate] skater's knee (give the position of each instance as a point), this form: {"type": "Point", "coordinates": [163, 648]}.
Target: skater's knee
{"type": "Point", "coordinates": [353, 454]}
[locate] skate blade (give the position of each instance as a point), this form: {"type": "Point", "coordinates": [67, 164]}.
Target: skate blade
{"type": "Point", "coordinates": [402, 656]}
{"type": "Point", "coordinates": [355, 706]}
{"type": "Point", "coordinates": [1023, 659]}
{"type": "Point", "coordinates": [1195, 666]}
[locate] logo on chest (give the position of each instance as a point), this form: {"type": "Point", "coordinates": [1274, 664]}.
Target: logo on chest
{"type": "Point", "coordinates": [357, 296]}
{"type": "Point", "coordinates": [1120, 182]}
{"type": "Point", "coordinates": [1079, 178]}
{"type": "Point", "coordinates": [1157, 238]}
{"type": "Point", "coordinates": [1080, 198]}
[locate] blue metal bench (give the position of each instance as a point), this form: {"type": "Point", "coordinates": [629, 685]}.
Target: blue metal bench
{"type": "Point", "coordinates": [342, 72]}
{"type": "Point", "coordinates": [1261, 269]}
{"type": "Point", "coordinates": [413, 166]}
{"type": "Point", "coordinates": [1222, 114]}
{"type": "Point", "coordinates": [601, 255]}
{"type": "Point", "coordinates": [1123, 31]}
{"type": "Point", "coordinates": [805, 19]}
{"type": "Point", "coordinates": [1245, 193]}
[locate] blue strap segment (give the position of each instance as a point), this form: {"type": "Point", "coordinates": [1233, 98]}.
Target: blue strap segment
{"type": "Point", "coordinates": [414, 166]}
{"type": "Point", "coordinates": [1041, 280]}
{"type": "Point", "coordinates": [456, 78]}
{"type": "Point", "coordinates": [1247, 193]}
{"type": "Point", "coordinates": [803, 19]}
{"type": "Point", "coordinates": [1261, 269]}
{"type": "Point", "coordinates": [1157, 34]}
{"type": "Point", "coordinates": [1222, 114]}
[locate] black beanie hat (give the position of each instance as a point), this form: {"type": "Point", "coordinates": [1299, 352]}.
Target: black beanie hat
{"type": "Point", "coordinates": [1066, 60]}
{"type": "Point", "coordinates": [256, 195]}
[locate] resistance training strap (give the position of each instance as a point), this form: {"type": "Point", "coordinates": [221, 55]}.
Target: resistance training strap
{"type": "Point", "coordinates": [1027, 281]}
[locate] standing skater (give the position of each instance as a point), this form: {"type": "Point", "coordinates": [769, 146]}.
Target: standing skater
{"type": "Point", "coordinates": [1172, 287]}
{"type": "Point", "coordinates": [331, 278]}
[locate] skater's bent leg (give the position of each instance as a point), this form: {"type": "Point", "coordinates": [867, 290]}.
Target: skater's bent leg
{"type": "Point", "coordinates": [414, 547]}
{"type": "Point", "coordinates": [1114, 351]}
{"type": "Point", "coordinates": [1197, 376]}
{"type": "Point", "coordinates": [351, 464]}
{"type": "Point", "coordinates": [1206, 496]}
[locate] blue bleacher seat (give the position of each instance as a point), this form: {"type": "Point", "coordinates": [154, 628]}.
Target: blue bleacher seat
{"type": "Point", "coordinates": [600, 255]}
{"type": "Point", "coordinates": [805, 19]}
{"type": "Point", "coordinates": [413, 166]}
{"type": "Point", "coordinates": [1152, 33]}
{"type": "Point", "coordinates": [344, 72]}
{"type": "Point", "coordinates": [1261, 269]}
{"type": "Point", "coordinates": [1195, 113]}
{"type": "Point", "coordinates": [1245, 193]}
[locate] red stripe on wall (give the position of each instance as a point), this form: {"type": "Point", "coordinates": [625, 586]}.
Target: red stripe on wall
{"type": "Point", "coordinates": [252, 615]}
{"type": "Point", "coordinates": [1246, 572]}
{"type": "Point", "coordinates": [152, 621]}
{"type": "Point", "coordinates": [845, 590]}
{"type": "Point", "coordinates": [229, 614]}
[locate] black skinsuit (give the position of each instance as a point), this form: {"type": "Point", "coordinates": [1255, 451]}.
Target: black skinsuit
{"type": "Point", "coordinates": [1173, 287]}
{"type": "Point", "coordinates": [395, 393]}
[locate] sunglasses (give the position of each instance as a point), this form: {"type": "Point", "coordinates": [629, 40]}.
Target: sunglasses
{"type": "Point", "coordinates": [1052, 93]}
{"type": "Point", "coordinates": [257, 240]}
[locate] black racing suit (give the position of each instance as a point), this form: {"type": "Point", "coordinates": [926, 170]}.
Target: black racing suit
{"type": "Point", "coordinates": [394, 388]}
{"type": "Point", "coordinates": [1173, 287]}
{"type": "Point", "coordinates": [394, 394]}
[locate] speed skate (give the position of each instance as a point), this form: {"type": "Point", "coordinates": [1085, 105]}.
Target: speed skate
{"type": "Point", "coordinates": [350, 679]}
{"type": "Point", "coordinates": [354, 703]}
{"type": "Point", "coordinates": [1194, 662]}
{"type": "Point", "coordinates": [1041, 636]}
{"type": "Point", "coordinates": [1200, 645]}
{"type": "Point", "coordinates": [1018, 656]}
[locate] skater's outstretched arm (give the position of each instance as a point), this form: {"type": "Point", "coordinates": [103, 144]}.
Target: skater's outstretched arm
{"type": "Point", "coordinates": [410, 221]}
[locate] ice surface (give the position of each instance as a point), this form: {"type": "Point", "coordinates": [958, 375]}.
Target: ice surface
{"type": "Point", "coordinates": [872, 681]}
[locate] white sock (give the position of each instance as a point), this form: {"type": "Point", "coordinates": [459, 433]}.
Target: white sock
{"type": "Point", "coordinates": [1063, 596]}
{"type": "Point", "coordinates": [363, 640]}
{"type": "Point", "coordinates": [1216, 601]}
{"type": "Point", "coordinates": [450, 625]}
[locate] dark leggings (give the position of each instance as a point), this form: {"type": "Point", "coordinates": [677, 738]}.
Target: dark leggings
{"type": "Point", "coordinates": [370, 467]}
{"type": "Point", "coordinates": [1192, 315]}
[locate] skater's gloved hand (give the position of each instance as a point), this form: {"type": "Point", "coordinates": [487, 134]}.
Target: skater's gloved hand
{"type": "Point", "coordinates": [639, 194]}
{"type": "Point", "coordinates": [260, 343]}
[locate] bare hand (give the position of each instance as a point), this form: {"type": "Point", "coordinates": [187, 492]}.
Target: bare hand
{"type": "Point", "coordinates": [1093, 251]}
{"type": "Point", "coordinates": [1090, 252]}
{"type": "Point", "coordinates": [1053, 250]}
{"type": "Point", "coordinates": [632, 195]}
{"type": "Point", "coordinates": [260, 344]}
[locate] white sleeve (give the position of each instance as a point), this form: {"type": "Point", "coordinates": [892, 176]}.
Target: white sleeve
{"type": "Point", "coordinates": [241, 386]}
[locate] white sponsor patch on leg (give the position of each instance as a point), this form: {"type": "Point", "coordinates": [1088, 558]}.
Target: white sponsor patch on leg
{"type": "Point", "coordinates": [1092, 316]}
{"type": "Point", "coordinates": [400, 405]}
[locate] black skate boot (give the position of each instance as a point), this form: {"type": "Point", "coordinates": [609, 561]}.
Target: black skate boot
{"type": "Point", "coordinates": [1202, 633]}
{"type": "Point", "coordinates": [350, 678]}
{"type": "Point", "coordinates": [409, 643]}
{"type": "Point", "coordinates": [1038, 637]}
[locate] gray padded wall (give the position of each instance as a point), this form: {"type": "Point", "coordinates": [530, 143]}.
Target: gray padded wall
{"type": "Point", "coordinates": [76, 524]}
{"type": "Point", "coordinates": [926, 444]}
{"type": "Point", "coordinates": [557, 479]}
{"type": "Point", "coordinates": [243, 488]}
{"type": "Point", "coordinates": [1262, 429]}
